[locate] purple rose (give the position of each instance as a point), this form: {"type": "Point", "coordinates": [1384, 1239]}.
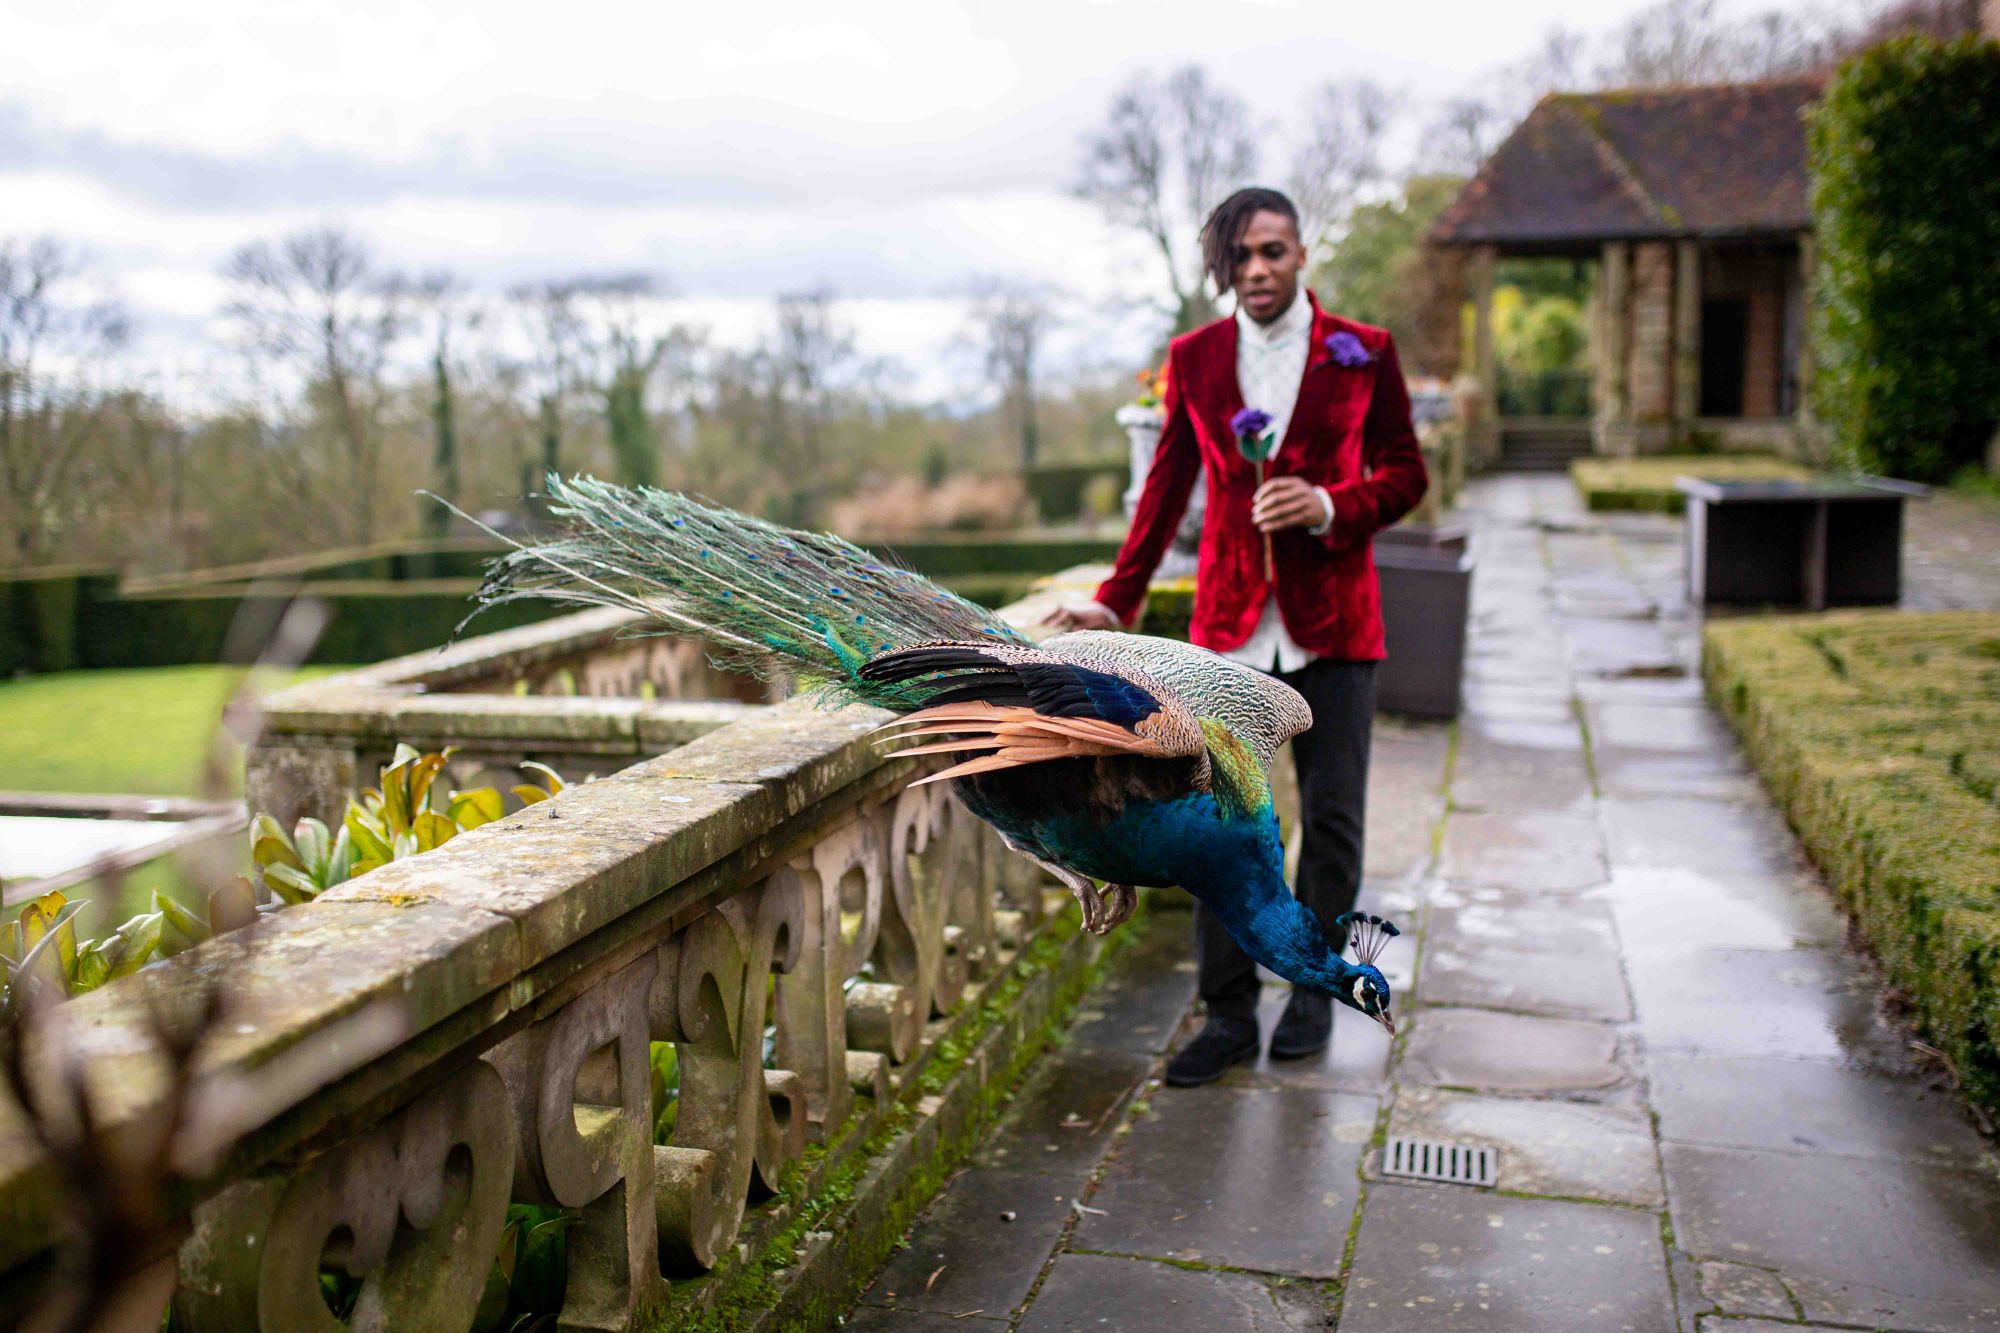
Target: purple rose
{"type": "Point", "coordinates": [1250, 421]}
{"type": "Point", "coordinates": [1347, 350]}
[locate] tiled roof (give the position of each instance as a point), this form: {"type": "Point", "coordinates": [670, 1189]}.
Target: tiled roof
{"type": "Point", "coordinates": [1720, 160]}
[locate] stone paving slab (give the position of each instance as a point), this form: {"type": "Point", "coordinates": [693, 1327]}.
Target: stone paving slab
{"type": "Point", "coordinates": [1859, 1241]}
{"type": "Point", "coordinates": [1801, 1004]}
{"type": "Point", "coordinates": [1259, 1178]}
{"type": "Point", "coordinates": [1495, 1052]}
{"type": "Point", "coordinates": [1494, 776]}
{"type": "Point", "coordinates": [1743, 1290]}
{"type": "Point", "coordinates": [1519, 950]}
{"type": "Point", "coordinates": [1747, 838]}
{"type": "Point", "coordinates": [1668, 912]}
{"type": "Point", "coordinates": [1356, 1060]}
{"type": "Point", "coordinates": [982, 1245]}
{"type": "Point", "coordinates": [1524, 848]}
{"type": "Point", "coordinates": [1090, 1291]}
{"type": "Point", "coordinates": [1713, 1324]}
{"type": "Point", "coordinates": [1139, 1004]}
{"type": "Point", "coordinates": [1807, 1106]}
{"type": "Point", "coordinates": [1437, 1260]}
{"type": "Point", "coordinates": [870, 1319]}
{"type": "Point", "coordinates": [1065, 1113]}
{"type": "Point", "coordinates": [1575, 1150]}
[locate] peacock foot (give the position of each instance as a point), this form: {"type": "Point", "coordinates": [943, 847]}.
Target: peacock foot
{"type": "Point", "coordinates": [1124, 900]}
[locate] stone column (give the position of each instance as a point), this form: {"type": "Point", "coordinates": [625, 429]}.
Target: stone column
{"type": "Point", "coordinates": [1802, 406]}
{"type": "Point", "coordinates": [1614, 342]}
{"type": "Point", "coordinates": [1687, 337]}
{"type": "Point", "coordinates": [1650, 377]}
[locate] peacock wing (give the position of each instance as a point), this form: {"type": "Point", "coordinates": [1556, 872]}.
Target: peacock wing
{"type": "Point", "coordinates": [1015, 705]}
{"type": "Point", "coordinates": [1258, 709]}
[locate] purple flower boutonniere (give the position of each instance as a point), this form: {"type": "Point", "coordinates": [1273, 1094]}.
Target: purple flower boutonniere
{"type": "Point", "coordinates": [1256, 441]}
{"type": "Point", "coordinates": [1347, 350]}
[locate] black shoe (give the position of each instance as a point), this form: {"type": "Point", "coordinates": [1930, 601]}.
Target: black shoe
{"type": "Point", "coordinates": [1220, 1044]}
{"type": "Point", "coordinates": [1305, 1028]}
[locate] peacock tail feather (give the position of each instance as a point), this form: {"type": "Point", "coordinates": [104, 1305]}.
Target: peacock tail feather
{"type": "Point", "coordinates": [771, 598]}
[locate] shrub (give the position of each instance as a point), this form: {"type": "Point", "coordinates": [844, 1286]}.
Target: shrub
{"type": "Point", "coordinates": [1906, 204]}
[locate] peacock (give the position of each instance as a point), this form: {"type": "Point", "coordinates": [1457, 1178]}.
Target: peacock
{"type": "Point", "coordinates": [1100, 756]}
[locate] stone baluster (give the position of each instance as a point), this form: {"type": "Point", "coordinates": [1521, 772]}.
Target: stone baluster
{"type": "Point", "coordinates": [414, 1207]}
{"type": "Point", "coordinates": [735, 1117]}
{"type": "Point", "coordinates": [582, 1089]}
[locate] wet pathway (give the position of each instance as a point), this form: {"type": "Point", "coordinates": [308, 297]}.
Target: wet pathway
{"type": "Point", "coordinates": [1628, 981]}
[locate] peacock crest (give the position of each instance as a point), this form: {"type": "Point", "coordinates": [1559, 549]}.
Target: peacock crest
{"type": "Point", "coordinates": [1369, 935]}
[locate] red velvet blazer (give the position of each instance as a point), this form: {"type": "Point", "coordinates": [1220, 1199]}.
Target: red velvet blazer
{"type": "Point", "coordinates": [1350, 432]}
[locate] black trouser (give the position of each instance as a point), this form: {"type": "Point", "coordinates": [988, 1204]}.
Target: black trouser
{"type": "Point", "coordinates": [1332, 760]}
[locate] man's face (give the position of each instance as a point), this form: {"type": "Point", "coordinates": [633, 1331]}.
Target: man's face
{"type": "Point", "coordinates": [1268, 260]}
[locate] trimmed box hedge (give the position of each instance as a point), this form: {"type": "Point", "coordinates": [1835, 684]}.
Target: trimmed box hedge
{"type": "Point", "coordinates": [1647, 484]}
{"type": "Point", "coordinates": [1879, 734]}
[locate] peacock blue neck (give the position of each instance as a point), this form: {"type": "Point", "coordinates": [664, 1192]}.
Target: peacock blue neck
{"type": "Point", "coordinates": [1255, 905]}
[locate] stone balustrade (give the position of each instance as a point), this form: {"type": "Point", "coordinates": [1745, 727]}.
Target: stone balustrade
{"type": "Point", "coordinates": [825, 946]}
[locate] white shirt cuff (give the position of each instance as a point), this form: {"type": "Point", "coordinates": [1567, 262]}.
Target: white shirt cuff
{"type": "Point", "coordinates": [1116, 619]}
{"type": "Point", "coordinates": [1325, 500]}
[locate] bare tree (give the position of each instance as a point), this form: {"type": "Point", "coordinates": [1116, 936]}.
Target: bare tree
{"type": "Point", "coordinates": [1165, 156]}
{"type": "Point", "coordinates": [1340, 155]}
{"type": "Point", "coordinates": [810, 360]}
{"type": "Point", "coordinates": [1462, 134]}
{"type": "Point", "coordinates": [315, 302]}
{"type": "Point", "coordinates": [626, 361]}
{"type": "Point", "coordinates": [444, 307]}
{"type": "Point", "coordinates": [1008, 320]}
{"type": "Point", "coordinates": [546, 313]}
{"type": "Point", "coordinates": [56, 333]}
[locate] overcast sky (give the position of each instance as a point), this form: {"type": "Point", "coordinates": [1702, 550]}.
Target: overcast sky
{"type": "Point", "coordinates": [738, 149]}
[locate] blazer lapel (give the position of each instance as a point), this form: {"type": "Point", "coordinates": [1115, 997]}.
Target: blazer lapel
{"type": "Point", "coordinates": [1321, 387]}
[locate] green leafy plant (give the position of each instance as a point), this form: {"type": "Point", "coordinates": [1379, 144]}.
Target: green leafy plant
{"type": "Point", "coordinates": [410, 813]}
{"type": "Point", "coordinates": [1906, 208]}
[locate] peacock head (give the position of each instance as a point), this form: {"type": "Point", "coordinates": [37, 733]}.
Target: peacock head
{"type": "Point", "coordinates": [1367, 989]}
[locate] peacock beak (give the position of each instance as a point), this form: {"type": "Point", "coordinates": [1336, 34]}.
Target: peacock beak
{"type": "Point", "coordinates": [1388, 1020]}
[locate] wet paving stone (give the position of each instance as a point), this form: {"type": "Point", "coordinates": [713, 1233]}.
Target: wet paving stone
{"type": "Point", "coordinates": [1724, 836]}
{"type": "Point", "coordinates": [1259, 1178]}
{"type": "Point", "coordinates": [1092, 1291]}
{"type": "Point", "coordinates": [965, 1254]}
{"type": "Point", "coordinates": [1666, 912]}
{"type": "Point", "coordinates": [1808, 1106]}
{"type": "Point", "coordinates": [1513, 949]}
{"type": "Point", "coordinates": [1439, 1260]}
{"type": "Point", "coordinates": [1140, 1002]}
{"type": "Point", "coordinates": [871, 1319]}
{"type": "Point", "coordinates": [1356, 1060]}
{"type": "Point", "coordinates": [1741, 1289]}
{"type": "Point", "coordinates": [1494, 1052]}
{"type": "Point", "coordinates": [1800, 1004]}
{"type": "Point", "coordinates": [1492, 776]}
{"type": "Point", "coordinates": [1687, 728]}
{"type": "Point", "coordinates": [1641, 774]}
{"type": "Point", "coordinates": [1570, 1149]}
{"type": "Point", "coordinates": [1860, 1242]}
{"type": "Point", "coordinates": [1524, 849]}
{"type": "Point", "coordinates": [1066, 1111]}
{"type": "Point", "coordinates": [1714, 1324]}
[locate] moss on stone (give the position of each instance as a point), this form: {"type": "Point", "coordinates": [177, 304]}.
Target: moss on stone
{"type": "Point", "coordinates": [1879, 734]}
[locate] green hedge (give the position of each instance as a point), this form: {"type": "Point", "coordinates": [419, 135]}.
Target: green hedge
{"type": "Point", "coordinates": [1647, 484]}
{"type": "Point", "coordinates": [1906, 206]}
{"type": "Point", "coordinates": [1879, 734]}
{"type": "Point", "coordinates": [1060, 489]}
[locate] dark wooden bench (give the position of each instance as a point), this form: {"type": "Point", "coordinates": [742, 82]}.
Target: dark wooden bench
{"type": "Point", "coordinates": [1813, 544]}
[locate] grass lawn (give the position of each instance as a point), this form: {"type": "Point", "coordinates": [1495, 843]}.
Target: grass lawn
{"type": "Point", "coordinates": [141, 731]}
{"type": "Point", "coordinates": [1879, 733]}
{"type": "Point", "coordinates": [1648, 483]}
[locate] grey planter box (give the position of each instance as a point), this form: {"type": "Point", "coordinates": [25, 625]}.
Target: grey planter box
{"type": "Point", "coordinates": [1813, 544]}
{"type": "Point", "coordinates": [1426, 577]}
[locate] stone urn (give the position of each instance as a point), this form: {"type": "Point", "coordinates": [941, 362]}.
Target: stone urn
{"type": "Point", "coordinates": [1142, 430]}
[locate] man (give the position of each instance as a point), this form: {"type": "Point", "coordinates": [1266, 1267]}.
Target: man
{"type": "Point", "coordinates": [1347, 465]}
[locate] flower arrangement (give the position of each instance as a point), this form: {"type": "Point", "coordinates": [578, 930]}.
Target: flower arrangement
{"type": "Point", "coordinates": [1152, 387]}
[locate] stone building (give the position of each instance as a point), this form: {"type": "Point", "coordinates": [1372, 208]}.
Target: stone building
{"type": "Point", "coordinates": [1692, 207]}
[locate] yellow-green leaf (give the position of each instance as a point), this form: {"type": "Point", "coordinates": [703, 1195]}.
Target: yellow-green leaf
{"type": "Point", "coordinates": [289, 884]}
{"type": "Point", "coordinates": [422, 774]}
{"type": "Point", "coordinates": [530, 795]}
{"type": "Point", "coordinates": [371, 840]}
{"type": "Point", "coordinates": [132, 945]}
{"type": "Point", "coordinates": [433, 830]}
{"type": "Point", "coordinates": [470, 809]}
{"type": "Point", "coordinates": [554, 783]}
{"type": "Point", "coordinates": [184, 927]}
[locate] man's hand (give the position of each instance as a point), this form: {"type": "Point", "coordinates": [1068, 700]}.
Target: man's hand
{"type": "Point", "coordinates": [1286, 502]}
{"type": "Point", "coordinates": [1082, 615]}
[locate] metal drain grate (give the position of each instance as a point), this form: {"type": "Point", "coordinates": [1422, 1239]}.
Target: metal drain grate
{"type": "Point", "coordinates": [1452, 1163]}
